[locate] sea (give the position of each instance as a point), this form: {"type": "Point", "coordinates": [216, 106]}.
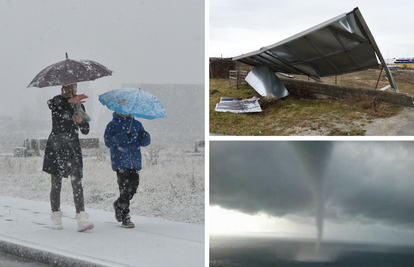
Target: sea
{"type": "Point", "coordinates": [230, 251]}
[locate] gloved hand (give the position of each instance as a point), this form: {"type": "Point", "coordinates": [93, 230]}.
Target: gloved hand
{"type": "Point", "coordinates": [142, 134]}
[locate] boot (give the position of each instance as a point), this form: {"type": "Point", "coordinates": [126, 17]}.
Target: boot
{"type": "Point", "coordinates": [83, 223]}
{"type": "Point", "coordinates": [126, 222]}
{"type": "Point", "coordinates": [56, 217]}
{"type": "Point", "coordinates": [118, 211]}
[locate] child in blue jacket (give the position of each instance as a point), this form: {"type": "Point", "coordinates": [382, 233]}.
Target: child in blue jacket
{"type": "Point", "coordinates": [124, 136]}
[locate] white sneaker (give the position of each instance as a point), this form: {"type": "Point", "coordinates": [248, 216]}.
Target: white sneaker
{"type": "Point", "coordinates": [56, 217]}
{"type": "Point", "coordinates": [83, 223]}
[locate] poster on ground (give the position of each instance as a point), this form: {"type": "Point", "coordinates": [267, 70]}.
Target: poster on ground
{"type": "Point", "coordinates": [238, 105]}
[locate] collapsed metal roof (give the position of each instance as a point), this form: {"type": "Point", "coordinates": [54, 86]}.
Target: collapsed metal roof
{"type": "Point", "coordinates": [341, 45]}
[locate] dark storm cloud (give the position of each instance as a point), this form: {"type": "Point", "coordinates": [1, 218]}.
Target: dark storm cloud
{"type": "Point", "coordinates": [373, 180]}
{"type": "Point", "coordinates": [364, 181]}
{"type": "Point", "coordinates": [246, 176]}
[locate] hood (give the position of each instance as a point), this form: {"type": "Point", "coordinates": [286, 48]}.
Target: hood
{"type": "Point", "coordinates": [119, 117]}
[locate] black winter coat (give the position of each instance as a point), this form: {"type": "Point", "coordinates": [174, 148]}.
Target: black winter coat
{"type": "Point", "coordinates": [63, 154]}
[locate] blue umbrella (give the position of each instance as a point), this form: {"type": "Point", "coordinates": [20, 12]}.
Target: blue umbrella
{"type": "Point", "coordinates": [135, 102]}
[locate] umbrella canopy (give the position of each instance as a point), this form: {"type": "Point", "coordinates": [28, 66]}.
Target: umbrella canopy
{"type": "Point", "coordinates": [69, 71]}
{"type": "Point", "coordinates": [135, 102]}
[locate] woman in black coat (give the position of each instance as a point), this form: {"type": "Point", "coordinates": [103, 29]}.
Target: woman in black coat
{"type": "Point", "coordinates": [63, 154]}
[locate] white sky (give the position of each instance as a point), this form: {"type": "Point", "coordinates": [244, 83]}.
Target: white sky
{"type": "Point", "coordinates": [231, 222]}
{"type": "Point", "coordinates": [241, 26]}
{"type": "Point", "coordinates": [142, 41]}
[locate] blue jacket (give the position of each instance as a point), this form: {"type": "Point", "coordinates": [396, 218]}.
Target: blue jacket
{"type": "Point", "coordinates": [125, 154]}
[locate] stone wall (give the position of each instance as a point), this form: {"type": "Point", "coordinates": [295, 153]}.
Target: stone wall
{"type": "Point", "coordinates": [340, 91]}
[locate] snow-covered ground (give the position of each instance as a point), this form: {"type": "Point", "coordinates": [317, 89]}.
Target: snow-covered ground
{"type": "Point", "coordinates": [171, 186]}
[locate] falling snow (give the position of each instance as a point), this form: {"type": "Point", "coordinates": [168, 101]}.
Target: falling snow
{"type": "Point", "coordinates": [171, 182]}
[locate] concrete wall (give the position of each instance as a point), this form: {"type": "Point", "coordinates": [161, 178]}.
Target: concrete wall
{"type": "Point", "coordinates": [340, 91]}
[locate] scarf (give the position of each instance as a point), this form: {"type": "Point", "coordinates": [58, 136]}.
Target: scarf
{"type": "Point", "coordinates": [125, 118]}
{"type": "Point", "coordinates": [77, 108]}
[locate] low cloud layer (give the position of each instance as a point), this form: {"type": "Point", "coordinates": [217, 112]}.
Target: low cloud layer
{"type": "Point", "coordinates": [367, 182]}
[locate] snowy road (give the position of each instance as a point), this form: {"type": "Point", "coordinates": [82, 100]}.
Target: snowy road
{"type": "Point", "coordinates": [8, 260]}
{"type": "Point", "coordinates": [25, 229]}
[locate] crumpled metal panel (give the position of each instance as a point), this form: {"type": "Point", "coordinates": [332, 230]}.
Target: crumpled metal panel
{"type": "Point", "coordinates": [266, 83]}
{"type": "Point", "coordinates": [341, 45]}
{"type": "Point", "coordinates": [238, 105]}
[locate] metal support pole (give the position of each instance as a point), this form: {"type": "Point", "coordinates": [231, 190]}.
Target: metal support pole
{"type": "Point", "coordinates": [376, 86]}
{"type": "Point", "coordinates": [377, 51]}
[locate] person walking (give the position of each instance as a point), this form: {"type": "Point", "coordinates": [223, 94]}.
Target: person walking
{"type": "Point", "coordinates": [125, 136]}
{"type": "Point", "coordinates": [63, 154]}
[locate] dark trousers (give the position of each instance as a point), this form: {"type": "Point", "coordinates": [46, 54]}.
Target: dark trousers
{"type": "Point", "coordinates": [77, 193]}
{"type": "Point", "coordinates": [128, 181]}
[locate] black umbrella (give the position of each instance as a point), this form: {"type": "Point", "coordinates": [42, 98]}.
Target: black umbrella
{"type": "Point", "coordinates": [69, 71]}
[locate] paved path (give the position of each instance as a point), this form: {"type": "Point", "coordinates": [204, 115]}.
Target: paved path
{"type": "Point", "coordinates": [400, 125]}
{"type": "Point", "coordinates": [25, 230]}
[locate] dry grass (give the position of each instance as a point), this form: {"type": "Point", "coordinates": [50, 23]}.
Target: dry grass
{"type": "Point", "coordinates": [266, 103]}
{"type": "Point", "coordinates": [303, 114]}
{"type": "Point", "coordinates": [371, 106]}
{"type": "Point", "coordinates": [369, 79]}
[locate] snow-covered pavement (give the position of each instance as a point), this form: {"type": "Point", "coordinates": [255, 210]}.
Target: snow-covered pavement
{"type": "Point", "coordinates": [25, 229]}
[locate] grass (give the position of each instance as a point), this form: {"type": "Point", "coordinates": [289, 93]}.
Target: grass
{"type": "Point", "coordinates": [369, 78]}
{"type": "Point", "coordinates": [306, 115]}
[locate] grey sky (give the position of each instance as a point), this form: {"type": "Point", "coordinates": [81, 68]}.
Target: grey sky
{"type": "Point", "coordinates": [366, 183]}
{"type": "Point", "coordinates": [143, 41]}
{"type": "Point", "coordinates": [240, 26]}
